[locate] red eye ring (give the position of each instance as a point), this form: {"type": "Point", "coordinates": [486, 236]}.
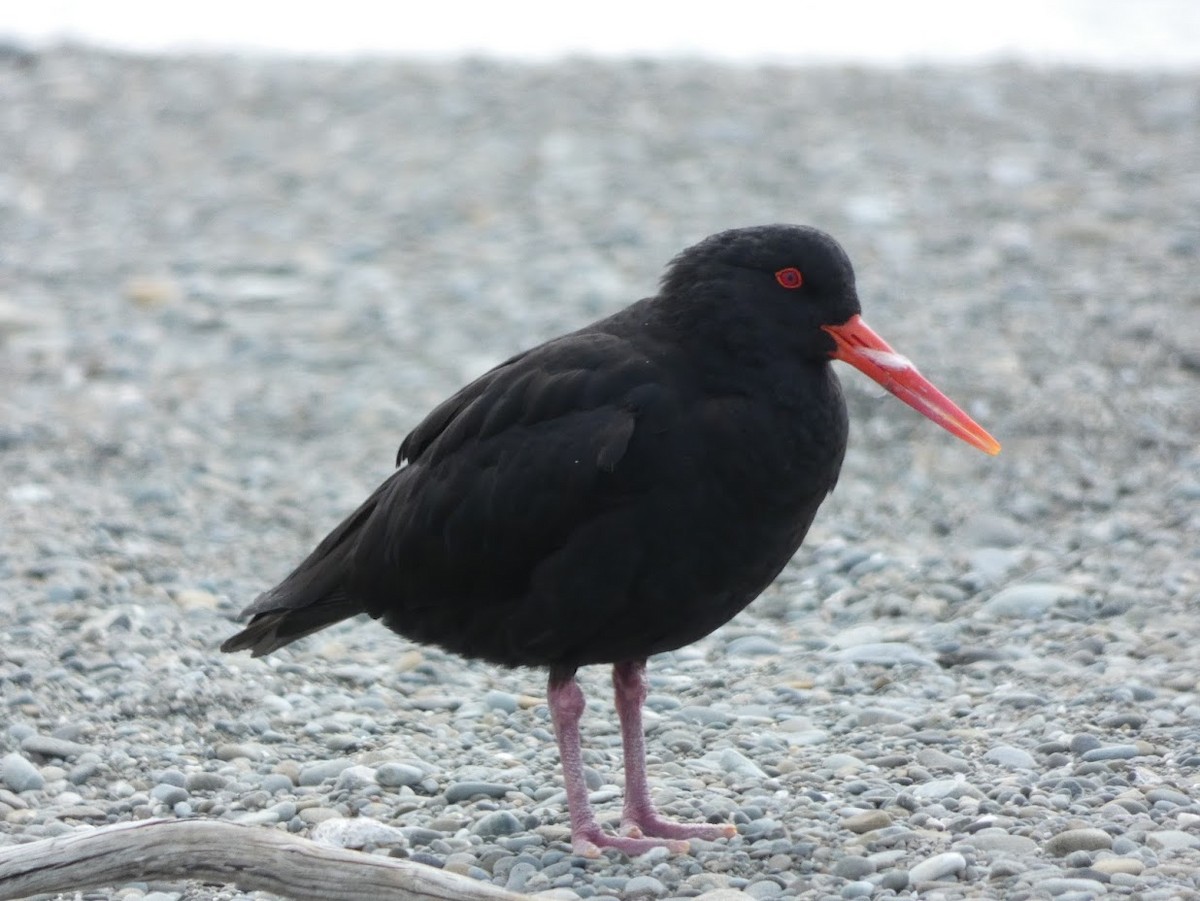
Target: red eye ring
{"type": "Point", "coordinates": [789, 278]}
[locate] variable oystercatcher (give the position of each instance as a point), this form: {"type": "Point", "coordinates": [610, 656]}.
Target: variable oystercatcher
{"type": "Point", "coordinates": [616, 492]}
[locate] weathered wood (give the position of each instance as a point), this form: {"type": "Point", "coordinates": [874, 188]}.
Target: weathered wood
{"type": "Point", "coordinates": [253, 858]}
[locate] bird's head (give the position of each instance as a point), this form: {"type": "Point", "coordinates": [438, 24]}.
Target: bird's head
{"type": "Point", "coordinates": [799, 280]}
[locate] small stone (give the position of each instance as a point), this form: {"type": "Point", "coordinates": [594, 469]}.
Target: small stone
{"type": "Point", "coordinates": [763, 889]}
{"type": "Point", "coordinates": [464, 791]}
{"type": "Point", "coordinates": [935, 759]}
{"type": "Point", "coordinates": [752, 646]}
{"type": "Point", "coordinates": [1010, 758]}
{"type": "Point", "coordinates": [229, 752]}
{"type": "Point", "coordinates": [867, 821]}
{"type": "Point", "coordinates": [169, 794]}
{"type": "Point", "coordinates": [355, 778]}
{"type": "Point", "coordinates": [277, 782]}
{"type": "Point", "coordinates": [1030, 601]}
{"type": "Point", "coordinates": [885, 653]}
{"type": "Point", "coordinates": [896, 880]}
{"type": "Point", "coordinates": [1083, 742]}
{"type": "Point", "coordinates": [851, 867]}
{"type": "Point", "coordinates": [316, 773]}
{"type": "Point", "coordinates": [1070, 840]}
{"type": "Point", "coordinates": [19, 774]}
{"type": "Point", "coordinates": [1061, 885]}
{"type": "Point", "coordinates": [460, 862]}
{"type": "Point", "coordinates": [1111, 865]}
{"type": "Point", "coordinates": [394, 775]}
{"type": "Point", "coordinates": [499, 822]}
{"type": "Point", "coordinates": [938, 867]}
{"type": "Point", "coordinates": [518, 877]}
{"type": "Point", "coordinates": [204, 782]}
{"type": "Point", "coordinates": [501, 700]}
{"type": "Point", "coordinates": [936, 789]}
{"type": "Point", "coordinates": [1172, 840]}
{"type": "Point", "coordinates": [1006, 867]}
{"type": "Point", "coordinates": [195, 599]}
{"type": "Point", "coordinates": [997, 841]}
{"type": "Point", "coordinates": [1168, 796]}
{"type": "Point", "coordinates": [315, 815]}
{"type": "Point", "coordinates": [48, 746]}
{"type": "Point", "coordinates": [734, 762]}
{"type": "Point", "coordinates": [1112, 752]}
{"type": "Point", "coordinates": [151, 291]}
{"type": "Point", "coordinates": [356, 832]}
{"type": "Point", "coordinates": [644, 887]}
{"type": "Point", "coordinates": [858, 889]}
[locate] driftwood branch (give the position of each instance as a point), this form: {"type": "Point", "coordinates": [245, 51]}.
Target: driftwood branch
{"type": "Point", "coordinates": [253, 858]}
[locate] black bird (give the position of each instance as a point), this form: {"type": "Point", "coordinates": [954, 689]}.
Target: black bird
{"type": "Point", "coordinates": [616, 492]}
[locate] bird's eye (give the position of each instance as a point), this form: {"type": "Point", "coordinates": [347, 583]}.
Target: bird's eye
{"type": "Point", "coordinates": [789, 277]}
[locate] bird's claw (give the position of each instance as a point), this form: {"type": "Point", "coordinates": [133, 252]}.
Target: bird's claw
{"type": "Point", "coordinates": [591, 844]}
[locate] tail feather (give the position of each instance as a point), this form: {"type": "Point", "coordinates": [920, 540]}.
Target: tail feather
{"type": "Point", "coordinates": [312, 597]}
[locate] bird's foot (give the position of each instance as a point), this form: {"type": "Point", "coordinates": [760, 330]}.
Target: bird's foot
{"type": "Point", "coordinates": [649, 823]}
{"type": "Point", "coordinates": [590, 841]}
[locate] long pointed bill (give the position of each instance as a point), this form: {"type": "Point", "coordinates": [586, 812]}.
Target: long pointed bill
{"type": "Point", "coordinates": [867, 352]}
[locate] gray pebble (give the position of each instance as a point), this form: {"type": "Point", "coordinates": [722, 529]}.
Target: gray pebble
{"type": "Point", "coordinates": [499, 822]}
{"type": "Point", "coordinates": [394, 775]}
{"type": "Point", "coordinates": [998, 841]}
{"type": "Point", "coordinates": [763, 889]}
{"type": "Point", "coordinates": [356, 832]}
{"type": "Point", "coordinates": [936, 759]}
{"type": "Point", "coordinates": [83, 772]}
{"type": "Point", "coordinates": [1061, 885]}
{"type": "Point", "coordinates": [706, 716]}
{"type": "Point", "coordinates": [885, 653]}
{"type": "Point", "coordinates": [1112, 752]}
{"type": "Point", "coordinates": [1172, 840]}
{"type": "Point", "coordinates": [169, 794]}
{"type": "Point", "coordinates": [19, 774]}
{"type": "Point", "coordinates": [939, 867]}
{"type": "Point", "coordinates": [519, 876]}
{"type": "Point", "coordinates": [501, 700]}
{"type": "Point", "coordinates": [644, 887]}
{"type": "Point", "coordinates": [1083, 742]}
{"type": "Point", "coordinates": [354, 778]}
{"type": "Point", "coordinates": [1010, 757]}
{"type": "Point", "coordinates": [732, 761]}
{"type": "Point", "coordinates": [464, 791]}
{"type": "Point", "coordinates": [858, 889]}
{"type": "Point", "coordinates": [48, 746]}
{"type": "Point", "coordinates": [850, 867]}
{"type": "Point", "coordinates": [204, 782]}
{"type": "Point", "coordinates": [1088, 839]}
{"type": "Point", "coordinates": [895, 880]}
{"type": "Point", "coordinates": [318, 772]}
{"type": "Point", "coordinates": [277, 782]}
{"type": "Point", "coordinates": [867, 821]}
{"type": "Point", "coordinates": [752, 646]}
{"type": "Point", "coordinates": [1029, 601]}
{"type": "Point", "coordinates": [1168, 796]}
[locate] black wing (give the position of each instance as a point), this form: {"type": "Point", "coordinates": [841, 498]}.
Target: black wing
{"type": "Point", "coordinates": [462, 546]}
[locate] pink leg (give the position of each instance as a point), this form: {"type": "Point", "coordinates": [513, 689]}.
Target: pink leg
{"type": "Point", "coordinates": [640, 816]}
{"type": "Point", "coordinates": [566, 707]}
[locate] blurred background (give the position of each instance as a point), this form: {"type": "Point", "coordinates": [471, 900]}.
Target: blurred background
{"type": "Point", "coordinates": [231, 282]}
{"type": "Point", "coordinates": [1091, 32]}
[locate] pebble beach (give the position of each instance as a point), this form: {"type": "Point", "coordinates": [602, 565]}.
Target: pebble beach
{"type": "Point", "coordinates": [229, 287]}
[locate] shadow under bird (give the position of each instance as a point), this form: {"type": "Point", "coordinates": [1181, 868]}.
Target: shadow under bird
{"type": "Point", "coordinates": [616, 492]}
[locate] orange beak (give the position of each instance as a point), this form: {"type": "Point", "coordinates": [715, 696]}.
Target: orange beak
{"type": "Point", "coordinates": [867, 352]}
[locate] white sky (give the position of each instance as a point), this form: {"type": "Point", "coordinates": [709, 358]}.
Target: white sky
{"type": "Point", "coordinates": [1122, 33]}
